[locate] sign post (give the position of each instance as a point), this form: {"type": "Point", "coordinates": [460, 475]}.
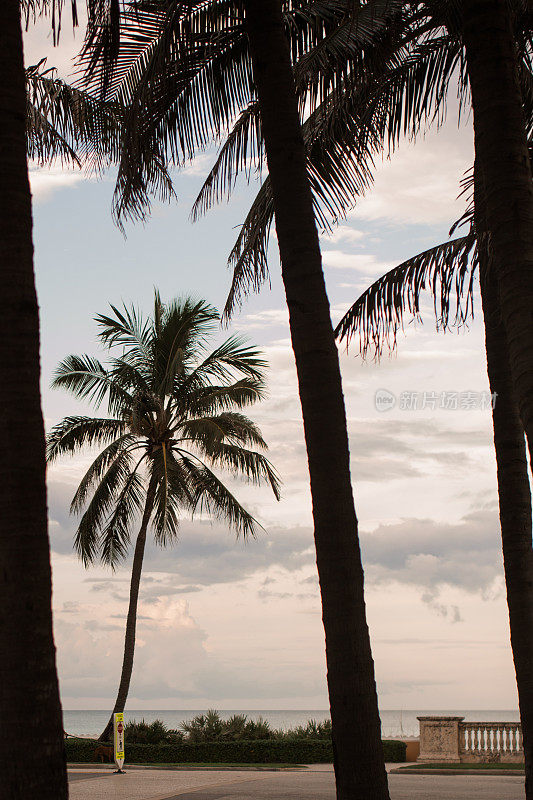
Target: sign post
{"type": "Point", "coordinates": [118, 740]}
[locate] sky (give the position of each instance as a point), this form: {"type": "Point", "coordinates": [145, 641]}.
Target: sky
{"type": "Point", "coordinates": [231, 624]}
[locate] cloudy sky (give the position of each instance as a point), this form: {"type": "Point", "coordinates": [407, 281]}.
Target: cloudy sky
{"type": "Point", "coordinates": [237, 625]}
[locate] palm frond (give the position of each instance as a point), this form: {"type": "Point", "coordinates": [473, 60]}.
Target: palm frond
{"type": "Point", "coordinates": [173, 495]}
{"type": "Point", "coordinates": [248, 260]}
{"type": "Point", "coordinates": [66, 123]}
{"type": "Point", "coordinates": [232, 357]}
{"type": "Point", "coordinates": [446, 271]}
{"type": "Point", "coordinates": [254, 466]}
{"type": "Point", "coordinates": [174, 59]}
{"type": "Point", "coordinates": [135, 379]}
{"type": "Point", "coordinates": [241, 152]}
{"type": "Point", "coordinates": [127, 329]}
{"type": "Point", "coordinates": [369, 112]}
{"type": "Point", "coordinates": [228, 426]}
{"type": "Point", "coordinates": [31, 9]}
{"type": "Point", "coordinates": [116, 534]}
{"type": "Point", "coordinates": [212, 497]}
{"type": "Point", "coordinates": [116, 477]}
{"type": "Point", "coordinates": [182, 328]}
{"type": "Point", "coordinates": [74, 433]}
{"type": "Point", "coordinates": [213, 399]}
{"type": "Point", "coordinates": [87, 379]}
{"type": "Point", "coordinates": [44, 144]}
{"type": "Point", "coordinates": [99, 466]}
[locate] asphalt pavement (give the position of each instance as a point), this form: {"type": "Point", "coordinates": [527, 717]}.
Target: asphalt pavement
{"type": "Point", "coordinates": [314, 783]}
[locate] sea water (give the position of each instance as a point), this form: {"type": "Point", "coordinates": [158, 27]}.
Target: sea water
{"type": "Point", "coordinates": [394, 723]}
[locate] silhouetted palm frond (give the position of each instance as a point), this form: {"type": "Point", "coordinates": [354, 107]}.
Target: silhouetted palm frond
{"type": "Point", "coordinates": [67, 124]}
{"type": "Point", "coordinates": [73, 433]}
{"type": "Point", "coordinates": [447, 272]}
{"type": "Point", "coordinates": [366, 114]}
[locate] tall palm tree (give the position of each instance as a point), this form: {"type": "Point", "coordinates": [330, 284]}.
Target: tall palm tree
{"type": "Point", "coordinates": [444, 271]}
{"type": "Point", "coordinates": [513, 481]}
{"type": "Point", "coordinates": [31, 731]}
{"type": "Point", "coordinates": [31, 740]}
{"type": "Point", "coordinates": [175, 414]}
{"type": "Point", "coordinates": [409, 88]}
{"type": "Point", "coordinates": [184, 70]}
{"type": "Point", "coordinates": [501, 146]}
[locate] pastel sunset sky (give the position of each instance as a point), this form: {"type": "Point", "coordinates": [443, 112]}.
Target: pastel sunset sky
{"type": "Point", "coordinates": [237, 625]}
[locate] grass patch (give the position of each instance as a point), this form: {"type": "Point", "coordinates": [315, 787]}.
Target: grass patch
{"type": "Point", "coordinates": [446, 765]}
{"type": "Point", "coordinates": [187, 765]}
{"type": "Point", "coordinates": [222, 765]}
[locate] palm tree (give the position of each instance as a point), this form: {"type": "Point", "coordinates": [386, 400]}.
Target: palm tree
{"type": "Point", "coordinates": [31, 731]}
{"type": "Point", "coordinates": [446, 270]}
{"type": "Point", "coordinates": [513, 480]}
{"type": "Point", "coordinates": [175, 414]}
{"type": "Point", "coordinates": [501, 147]}
{"type": "Point", "coordinates": [31, 740]}
{"type": "Point", "coordinates": [183, 72]}
{"type": "Point", "coordinates": [408, 88]}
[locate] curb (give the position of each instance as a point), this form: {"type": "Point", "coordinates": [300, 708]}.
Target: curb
{"type": "Point", "coordinates": [88, 767]}
{"type": "Point", "coordinates": [478, 772]}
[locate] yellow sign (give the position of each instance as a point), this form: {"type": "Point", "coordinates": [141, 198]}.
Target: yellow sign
{"type": "Point", "coordinates": [118, 738]}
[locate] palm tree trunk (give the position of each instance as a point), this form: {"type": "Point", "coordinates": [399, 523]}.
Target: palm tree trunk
{"type": "Point", "coordinates": [502, 154]}
{"type": "Point", "coordinates": [358, 753]}
{"type": "Point", "coordinates": [513, 492]}
{"type": "Point", "coordinates": [131, 622]}
{"type": "Point", "coordinates": [31, 731]}
{"type": "Point", "coordinates": [515, 518]}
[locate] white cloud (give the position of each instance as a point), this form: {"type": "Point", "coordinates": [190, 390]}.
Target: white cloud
{"type": "Point", "coordinates": [200, 165]}
{"type": "Point", "coordinates": [360, 262]}
{"type": "Point", "coordinates": [344, 233]}
{"type": "Point", "coordinates": [421, 182]}
{"type": "Point", "coordinates": [46, 180]}
{"type": "Point", "coordinates": [265, 319]}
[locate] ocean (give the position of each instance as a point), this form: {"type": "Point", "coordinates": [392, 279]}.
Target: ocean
{"type": "Point", "coordinates": [394, 724]}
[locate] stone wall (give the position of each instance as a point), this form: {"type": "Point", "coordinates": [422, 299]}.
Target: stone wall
{"type": "Point", "coordinates": [452, 740]}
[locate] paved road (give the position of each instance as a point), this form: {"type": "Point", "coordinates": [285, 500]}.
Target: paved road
{"type": "Point", "coordinates": [312, 784]}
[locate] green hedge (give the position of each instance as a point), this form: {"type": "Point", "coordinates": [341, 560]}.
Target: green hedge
{"type": "Point", "coordinates": [256, 752]}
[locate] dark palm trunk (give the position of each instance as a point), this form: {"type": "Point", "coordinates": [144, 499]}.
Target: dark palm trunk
{"type": "Point", "coordinates": [131, 622]}
{"type": "Point", "coordinates": [502, 154]}
{"type": "Point", "coordinates": [358, 754]}
{"type": "Point", "coordinates": [513, 492]}
{"type": "Point", "coordinates": [31, 732]}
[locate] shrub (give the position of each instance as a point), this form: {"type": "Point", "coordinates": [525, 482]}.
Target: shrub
{"type": "Point", "coordinates": [271, 751]}
{"type": "Point", "coordinates": [313, 730]}
{"type": "Point", "coordinates": [210, 727]}
{"type": "Point", "coordinates": [393, 750]}
{"type": "Point", "coordinates": [150, 733]}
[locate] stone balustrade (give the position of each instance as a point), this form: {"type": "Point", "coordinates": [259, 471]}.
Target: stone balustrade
{"type": "Point", "coordinates": [451, 739]}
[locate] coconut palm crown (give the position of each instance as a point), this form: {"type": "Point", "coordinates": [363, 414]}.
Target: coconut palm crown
{"type": "Point", "coordinates": [174, 417]}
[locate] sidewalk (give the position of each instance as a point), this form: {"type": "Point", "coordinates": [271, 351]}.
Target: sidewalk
{"type": "Point", "coordinates": [314, 783]}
